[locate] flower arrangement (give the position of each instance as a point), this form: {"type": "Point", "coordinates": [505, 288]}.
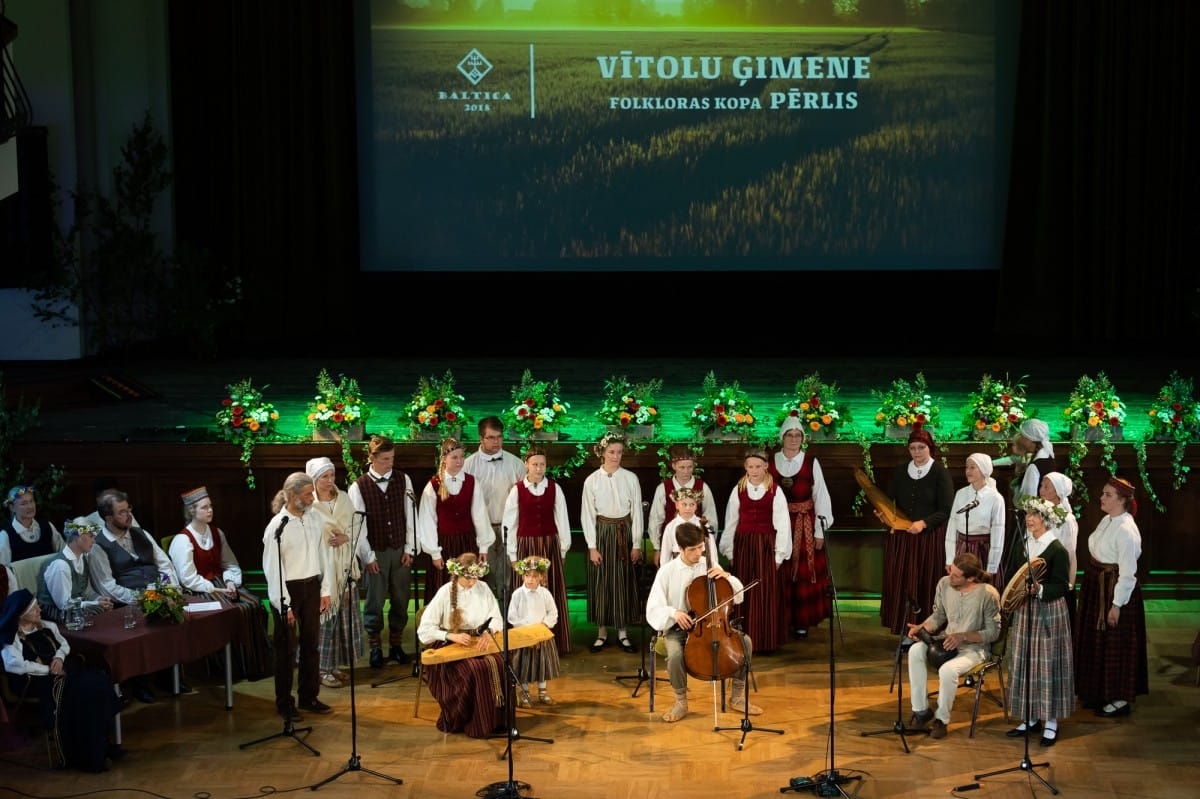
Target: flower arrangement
{"type": "Point", "coordinates": [537, 407]}
{"type": "Point", "coordinates": [1052, 513]}
{"type": "Point", "coordinates": [1094, 404]}
{"type": "Point", "coordinates": [163, 600]}
{"type": "Point", "coordinates": [1174, 416]}
{"type": "Point", "coordinates": [246, 418]}
{"type": "Point", "coordinates": [436, 407]}
{"type": "Point", "coordinates": [996, 409]}
{"type": "Point", "coordinates": [906, 405]}
{"type": "Point", "coordinates": [816, 405]}
{"type": "Point", "coordinates": [533, 563]}
{"type": "Point", "coordinates": [723, 410]}
{"type": "Point", "coordinates": [627, 404]}
{"type": "Point", "coordinates": [337, 406]}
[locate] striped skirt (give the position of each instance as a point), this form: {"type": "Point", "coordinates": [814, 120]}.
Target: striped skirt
{"type": "Point", "coordinates": [1111, 663]}
{"type": "Point", "coordinates": [339, 630]}
{"type": "Point", "coordinates": [912, 566]}
{"type": "Point", "coordinates": [556, 582]}
{"type": "Point", "coordinates": [537, 663]}
{"type": "Point", "coordinates": [612, 586]}
{"type": "Point", "coordinates": [470, 693]}
{"type": "Point", "coordinates": [1039, 640]}
{"type": "Point", "coordinates": [452, 546]}
{"type": "Point", "coordinates": [762, 609]}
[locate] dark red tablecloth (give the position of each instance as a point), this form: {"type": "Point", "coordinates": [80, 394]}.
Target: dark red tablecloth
{"type": "Point", "coordinates": [151, 647]}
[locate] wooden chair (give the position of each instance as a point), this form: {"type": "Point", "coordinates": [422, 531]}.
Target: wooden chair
{"type": "Point", "coordinates": [976, 678]}
{"type": "Point", "coordinates": [418, 669]}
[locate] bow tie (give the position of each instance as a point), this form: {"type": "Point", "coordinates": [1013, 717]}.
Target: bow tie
{"type": "Point", "coordinates": [495, 459]}
{"type": "Point", "coordinates": [382, 479]}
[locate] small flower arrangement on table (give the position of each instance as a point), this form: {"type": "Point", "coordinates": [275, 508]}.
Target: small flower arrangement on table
{"type": "Point", "coordinates": [1094, 405]}
{"type": "Point", "coordinates": [723, 412]}
{"type": "Point", "coordinates": [630, 406]}
{"type": "Point", "coordinates": [163, 600]}
{"type": "Point", "coordinates": [436, 409]}
{"type": "Point", "coordinates": [816, 405]}
{"type": "Point", "coordinates": [246, 418]}
{"type": "Point", "coordinates": [996, 409]}
{"type": "Point", "coordinates": [538, 411]}
{"type": "Point", "coordinates": [906, 406]}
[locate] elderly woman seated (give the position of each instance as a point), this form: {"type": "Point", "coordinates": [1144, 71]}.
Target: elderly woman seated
{"type": "Point", "coordinates": [77, 702]}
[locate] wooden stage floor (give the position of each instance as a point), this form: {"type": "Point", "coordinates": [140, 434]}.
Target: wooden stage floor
{"type": "Point", "coordinates": [607, 744]}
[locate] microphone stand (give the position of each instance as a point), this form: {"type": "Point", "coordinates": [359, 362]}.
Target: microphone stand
{"type": "Point", "coordinates": [746, 725]}
{"type": "Point", "coordinates": [899, 727]}
{"type": "Point", "coordinates": [642, 675]}
{"type": "Point", "coordinates": [832, 588]}
{"type": "Point", "coordinates": [416, 667]}
{"type": "Point", "coordinates": [355, 763]}
{"type": "Point", "coordinates": [829, 782]}
{"type": "Point", "coordinates": [510, 788]}
{"type": "Point", "coordinates": [289, 731]}
{"type": "Point", "coordinates": [1026, 764]}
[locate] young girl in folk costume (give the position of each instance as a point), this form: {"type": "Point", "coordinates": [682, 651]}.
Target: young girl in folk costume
{"type": "Point", "coordinates": [342, 627]}
{"type": "Point", "coordinates": [757, 539]}
{"type": "Point", "coordinates": [687, 503]}
{"type": "Point", "coordinates": [453, 515]}
{"type": "Point", "coordinates": [470, 690]}
{"type": "Point", "coordinates": [536, 523]}
{"type": "Point", "coordinates": [663, 507]}
{"type": "Point", "coordinates": [613, 527]}
{"type": "Point", "coordinates": [805, 577]}
{"type": "Point", "coordinates": [532, 603]}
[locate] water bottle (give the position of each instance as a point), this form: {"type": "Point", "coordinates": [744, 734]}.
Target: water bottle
{"type": "Point", "coordinates": [75, 614]}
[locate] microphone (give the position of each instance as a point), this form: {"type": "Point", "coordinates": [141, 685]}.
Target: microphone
{"type": "Point", "coordinates": [481, 629]}
{"type": "Point", "coordinates": [282, 524]}
{"type": "Point", "coordinates": [969, 506]}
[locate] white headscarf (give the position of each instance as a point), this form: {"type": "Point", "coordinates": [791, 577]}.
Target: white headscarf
{"type": "Point", "coordinates": [1039, 432]}
{"type": "Point", "coordinates": [983, 462]}
{"type": "Point", "coordinates": [1063, 487]}
{"type": "Point", "coordinates": [317, 467]}
{"type": "Point", "coordinates": [790, 423]}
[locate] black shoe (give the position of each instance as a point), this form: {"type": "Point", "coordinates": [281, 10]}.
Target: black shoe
{"type": "Point", "coordinates": [185, 689]}
{"type": "Point", "coordinates": [316, 706]}
{"type": "Point", "coordinates": [920, 719]}
{"type": "Point", "coordinates": [397, 655]}
{"type": "Point", "coordinates": [1047, 740]}
{"type": "Point", "coordinates": [801, 633]}
{"type": "Point", "coordinates": [597, 645]}
{"type": "Point", "coordinates": [290, 713]}
{"type": "Point", "coordinates": [144, 695]}
{"type": "Point", "coordinates": [115, 752]}
{"type": "Point", "coordinates": [376, 658]}
{"type": "Point", "coordinates": [1017, 732]}
{"type": "Point", "coordinates": [627, 645]}
{"type": "Point", "coordinates": [1123, 710]}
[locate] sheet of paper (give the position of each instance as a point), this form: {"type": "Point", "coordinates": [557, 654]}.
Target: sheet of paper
{"type": "Point", "coordinates": [200, 607]}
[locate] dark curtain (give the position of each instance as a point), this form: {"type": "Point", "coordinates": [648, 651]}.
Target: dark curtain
{"type": "Point", "coordinates": [264, 134]}
{"type": "Point", "coordinates": [1102, 162]}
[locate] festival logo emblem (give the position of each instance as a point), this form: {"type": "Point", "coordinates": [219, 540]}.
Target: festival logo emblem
{"type": "Point", "coordinates": [474, 66]}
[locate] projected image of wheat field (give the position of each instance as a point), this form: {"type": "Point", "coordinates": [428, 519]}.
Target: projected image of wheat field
{"type": "Point", "coordinates": [909, 171]}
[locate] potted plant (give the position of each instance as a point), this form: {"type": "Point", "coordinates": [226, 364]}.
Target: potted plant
{"type": "Point", "coordinates": [1094, 412]}
{"type": "Point", "coordinates": [816, 405]}
{"type": "Point", "coordinates": [995, 410]}
{"type": "Point", "coordinates": [246, 418]}
{"type": "Point", "coordinates": [904, 406]}
{"type": "Point", "coordinates": [1175, 416]}
{"type": "Point", "coordinates": [629, 409]}
{"type": "Point", "coordinates": [162, 601]}
{"type": "Point", "coordinates": [538, 412]}
{"type": "Point", "coordinates": [723, 413]}
{"type": "Point", "coordinates": [436, 410]}
{"type": "Point", "coordinates": [338, 413]}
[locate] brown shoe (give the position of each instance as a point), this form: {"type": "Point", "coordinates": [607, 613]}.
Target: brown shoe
{"type": "Point", "coordinates": [920, 719]}
{"type": "Point", "coordinates": [939, 729]}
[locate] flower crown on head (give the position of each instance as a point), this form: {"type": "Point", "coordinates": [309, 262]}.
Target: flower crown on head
{"type": "Point", "coordinates": [79, 526]}
{"type": "Point", "coordinates": [686, 493]}
{"type": "Point", "coordinates": [532, 564]}
{"type": "Point", "coordinates": [476, 569]}
{"type": "Point", "coordinates": [15, 492]}
{"type": "Point", "coordinates": [606, 440]}
{"type": "Point", "coordinates": [1051, 513]}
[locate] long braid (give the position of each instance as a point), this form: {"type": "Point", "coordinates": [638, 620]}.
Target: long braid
{"type": "Point", "coordinates": [456, 613]}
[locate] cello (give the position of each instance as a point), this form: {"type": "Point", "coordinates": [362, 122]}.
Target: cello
{"type": "Point", "coordinates": [713, 650]}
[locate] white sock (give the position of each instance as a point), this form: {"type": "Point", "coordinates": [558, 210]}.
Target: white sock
{"type": "Point", "coordinates": [1052, 725]}
{"type": "Point", "coordinates": [622, 633]}
{"type": "Point", "coordinates": [602, 633]}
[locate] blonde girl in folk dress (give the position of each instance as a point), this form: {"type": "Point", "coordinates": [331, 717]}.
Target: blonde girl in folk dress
{"type": "Point", "coordinates": [535, 518]}
{"type": "Point", "coordinates": [532, 603]}
{"type": "Point", "coordinates": [342, 636]}
{"type": "Point", "coordinates": [613, 526]}
{"type": "Point", "coordinates": [453, 514]}
{"type": "Point", "coordinates": [757, 539]}
{"type": "Point", "coordinates": [470, 691]}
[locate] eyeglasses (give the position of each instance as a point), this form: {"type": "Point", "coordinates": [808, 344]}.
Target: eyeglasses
{"type": "Point", "coordinates": [493, 437]}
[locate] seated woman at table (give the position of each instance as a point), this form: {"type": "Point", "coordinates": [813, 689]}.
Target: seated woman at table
{"type": "Point", "coordinates": [206, 565]}
{"type": "Point", "coordinates": [77, 702]}
{"type": "Point", "coordinates": [66, 576]}
{"type": "Point", "coordinates": [470, 691]}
